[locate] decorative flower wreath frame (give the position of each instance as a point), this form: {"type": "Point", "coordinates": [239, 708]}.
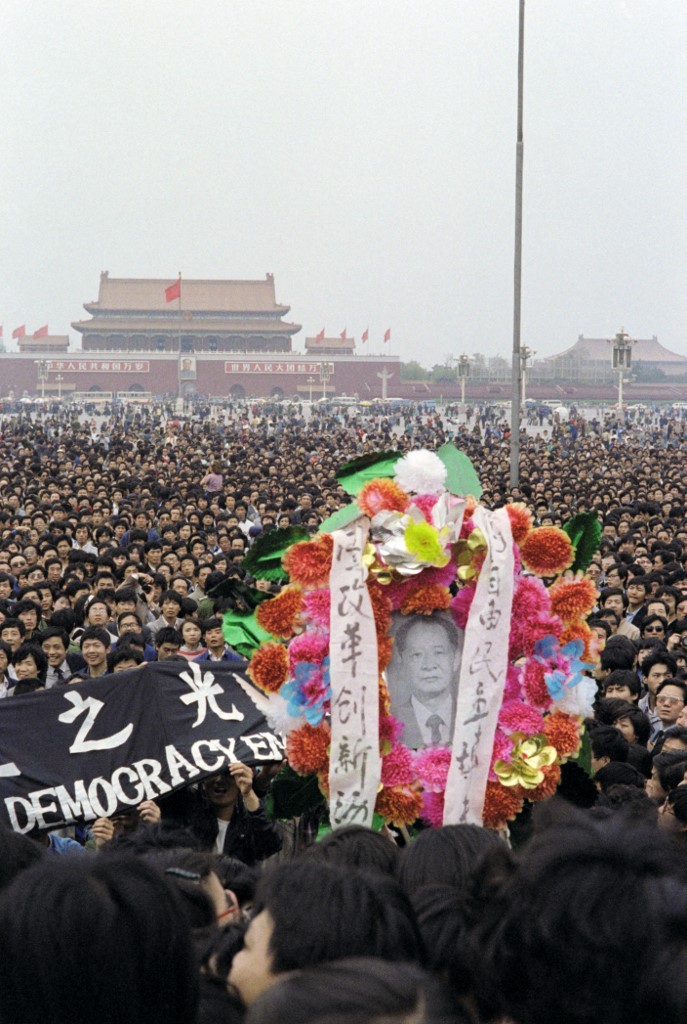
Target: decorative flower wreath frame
{"type": "Point", "coordinates": [415, 558]}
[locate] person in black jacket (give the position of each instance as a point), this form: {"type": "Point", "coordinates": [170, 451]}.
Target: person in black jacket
{"type": "Point", "coordinates": [229, 818]}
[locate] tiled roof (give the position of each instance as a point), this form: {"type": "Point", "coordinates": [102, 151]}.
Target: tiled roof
{"type": "Point", "coordinates": [147, 294]}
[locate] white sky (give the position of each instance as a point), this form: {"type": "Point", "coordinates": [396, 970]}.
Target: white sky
{"type": "Point", "coordinates": [361, 150]}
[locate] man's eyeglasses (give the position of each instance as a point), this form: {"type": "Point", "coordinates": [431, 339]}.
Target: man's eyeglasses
{"type": "Point", "coordinates": [654, 629]}
{"type": "Point", "coordinates": [669, 700]}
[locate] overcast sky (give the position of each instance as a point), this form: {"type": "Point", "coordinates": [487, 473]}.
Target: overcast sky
{"type": "Point", "coordinates": [363, 151]}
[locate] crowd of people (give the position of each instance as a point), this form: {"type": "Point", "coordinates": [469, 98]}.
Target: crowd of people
{"type": "Point", "coordinates": [117, 532]}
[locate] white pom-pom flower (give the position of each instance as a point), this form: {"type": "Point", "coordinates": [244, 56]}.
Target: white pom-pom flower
{"type": "Point", "coordinates": [421, 472]}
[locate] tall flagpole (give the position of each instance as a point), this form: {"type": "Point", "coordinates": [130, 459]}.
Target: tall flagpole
{"type": "Point", "coordinates": [179, 339]}
{"type": "Point", "coordinates": [516, 370]}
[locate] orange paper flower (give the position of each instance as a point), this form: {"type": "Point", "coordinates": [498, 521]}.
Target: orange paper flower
{"type": "Point", "coordinates": [399, 805]}
{"type": "Point", "coordinates": [309, 563]}
{"type": "Point", "coordinates": [572, 599]}
{"type": "Point", "coordinates": [520, 520]}
{"type": "Point", "coordinates": [279, 616]}
{"type": "Point", "coordinates": [382, 495]}
{"type": "Point", "coordinates": [501, 804]}
{"type": "Point", "coordinates": [423, 600]}
{"type": "Point", "coordinates": [547, 551]}
{"type": "Point", "coordinates": [581, 631]}
{"type": "Point", "coordinates": [307, 748]}
{"type": "Point", "coordinates": [563, 732]}
{"type": "Point", "coordinates": [385, 646]}
{"type": "Point", "coordinates": [381, 607]}
{"type": "Point", "coordinates": [269, 667]}
{"type": "Point", "coordinates": [549, 786]}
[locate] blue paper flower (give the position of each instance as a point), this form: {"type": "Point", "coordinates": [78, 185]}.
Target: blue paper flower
{"type": "Point", "coordinates": [308, 692]}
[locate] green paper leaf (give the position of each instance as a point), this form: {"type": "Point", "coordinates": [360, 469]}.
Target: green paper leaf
{"type": "Point", "coordinates": [584, 754]}
{"type": "Point", "coordinates": [462, 476]}
{"type": "Point", "coordinates": [263, 559]}
{"type": "Point", "coordinates": [355, 474]}
{"type": "Point", "coordinates": [342, 517]}
{"type": "Point", "coordinates": [243, 633]}
{"type": "Point", "coordinates": [584, 530]}
{"type": "Point", "coordinates": [293, 794]}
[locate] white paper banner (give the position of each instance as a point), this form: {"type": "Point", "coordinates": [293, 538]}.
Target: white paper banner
{"type": "Point", "coordinates": [355, 764]}
{"type": "Point", "coordinates": [482, 674]}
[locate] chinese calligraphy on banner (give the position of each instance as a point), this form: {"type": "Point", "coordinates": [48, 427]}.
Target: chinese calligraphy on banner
{"type": "Point", "coordinates": [483, 673]}
{"type": "Point", "coordinates": [99, 366]}
{"type": "Point", "coordinates": [104, 746]}
{"type": "Point", "coordinates": [355, 762]}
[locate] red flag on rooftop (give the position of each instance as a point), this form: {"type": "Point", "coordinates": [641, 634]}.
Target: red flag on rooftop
{"type": "Point", "coordinates": [387, 335]}
{"type": "Point", "coordinates": [173, 291]}
{"type": "Point", "coordinates": [365, 335]}
{"type": "Point", "coordinates": [42, 332]}
{"type": "Point", "coordinates": [320, 337]}
{"type": "Point", "coordinates": [0, 330]}
{"type": "Point", "coordinates": [19, 332]}
{"type": "Point", "coordinates": [343, 335]}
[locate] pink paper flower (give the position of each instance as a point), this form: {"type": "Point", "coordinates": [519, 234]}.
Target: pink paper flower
{"type": "Point", "coordinates": [425, 502]}
{"type": "Point", "coordinates": [433, 809]}
{"type": "Point", "coordinates": [309, 646]}
{"type": "Point", "coordinates": [516, 716]}
{"type": "Point", "coordinates": [397, 767]}
{"type": "Point", "coordinates": [390, 729]}
{"type": "Point", "coordinates": [317, 604]}
{"type": "Point", "coordinates": [432, 765]}
{"type": "Point", "coordinates": [460, 605]}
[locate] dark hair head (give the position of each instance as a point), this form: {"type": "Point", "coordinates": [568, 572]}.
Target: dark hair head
{"type": "Point", "coordinates": [359, 990]}
{"type": "Point", "coordinates": [617, 773]}
{"type": "Point", "coordinates": [609, 742]}
{"type": "Point", "coordinates": [322, 912]}
{"type": "Point", "coordinates": [133, 963]}
{"type": "Point", "coordinates": [582, 895]}
{"type": "Point", "coordinates": [677, 801]}
{"type": "Point", "coordinates": [359, 847]}
{"type": "Point", "coordinates": [444, 856]}
{"type": "Point", "coordinates": [96, 633]}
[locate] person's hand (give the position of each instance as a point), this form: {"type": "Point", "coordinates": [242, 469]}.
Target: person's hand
{"type": "Point", "coordinates": [103, 832]}
{"type": "Point", "coordinates": [149, 811]}
{"type": "Point", "coordinates": [674, 641]}
{"type": "Point", "coordinates": [243, 777]}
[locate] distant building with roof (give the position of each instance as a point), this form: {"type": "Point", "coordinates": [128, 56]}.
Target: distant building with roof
{"type": "Point", "coordinates": [589, 361]}
{"type": "Point", "coordinates": [223, 338]}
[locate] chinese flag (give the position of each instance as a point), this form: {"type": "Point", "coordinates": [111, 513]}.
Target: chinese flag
{"type": "Point", "coordinates": [343, 335]}
{"type": "Point", "coordinates": [19, 332]}
{"type": "Point", "coordinates": [42, 332]}
{"type": "Point", "coordinates": [365, 335]}
{"type": "Point", "coordinates": [0, 330]}
{"type": "Point", "coordinates": [387, 335]}
{"type": "Point", "coordinates": [320, 337]}
{"type": "Point", "coordinates": [174, 291]}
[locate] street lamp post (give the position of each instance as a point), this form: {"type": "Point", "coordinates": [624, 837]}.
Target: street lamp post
{"type": "Point", "coordinates": [463, 367]}
{"type": "Point", "coordinates": [622, 360]}
{"type": "Point", "coordinates": [311, 381]}
{"type": "Point", "coordinates": [42, 367]}
{"type": "Point", "coordinates": [58, 380]}
{"type": "Point", "coordinates": [324, 378]}
{"type": "Point", "coordinates": [526, 354]}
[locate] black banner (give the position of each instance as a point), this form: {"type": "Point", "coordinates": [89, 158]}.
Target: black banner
{"type": "Point", "coordinates": [77, 753]}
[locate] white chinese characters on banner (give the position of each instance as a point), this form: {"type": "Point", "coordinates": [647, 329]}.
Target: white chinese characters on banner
{"type": "Point", "coordinates": [483, 673]}
{"type": "Point", "coordinates": [355, 762]}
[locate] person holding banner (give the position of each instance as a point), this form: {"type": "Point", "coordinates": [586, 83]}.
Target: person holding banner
{"type": "Point", "coordinates": [226, 815]}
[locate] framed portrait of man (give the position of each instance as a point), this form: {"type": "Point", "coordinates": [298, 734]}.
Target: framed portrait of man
{"type": "Point", "coordinates": [188, 368]}
{"type": "Point", "coordinates": [422, 676]}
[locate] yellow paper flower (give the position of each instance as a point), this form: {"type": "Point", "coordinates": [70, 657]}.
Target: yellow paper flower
{"type": "Point", "coordinates": [422, 540]}
{"type": "Point", "coordinates": [470, 555]}
{"type": "Point", "coordinates": [530, 755]}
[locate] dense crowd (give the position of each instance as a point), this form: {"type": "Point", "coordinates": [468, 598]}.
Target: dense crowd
{"type": "Point", "coordinates": [117, 532]}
